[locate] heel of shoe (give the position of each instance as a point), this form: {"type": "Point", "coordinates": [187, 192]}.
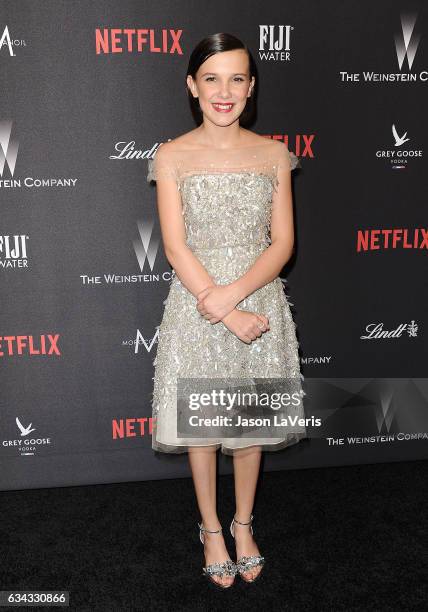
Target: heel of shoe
{"type": "Point", "coordinates": [226, 568]}
{"type": "Point", "coordinates": [245, 564]}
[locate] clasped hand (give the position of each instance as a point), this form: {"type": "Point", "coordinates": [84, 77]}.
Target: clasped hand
{"type": "Point", "coordinates": [216, 302]}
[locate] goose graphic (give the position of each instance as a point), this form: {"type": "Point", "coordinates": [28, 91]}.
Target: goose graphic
{"type": "Point", "coordinates": [24, 430]}
{"type": "Point", "coordinates": [399, 140]}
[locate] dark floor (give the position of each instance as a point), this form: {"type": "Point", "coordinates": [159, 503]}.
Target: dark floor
{"type": "Point", "coordinates": [342, 538]}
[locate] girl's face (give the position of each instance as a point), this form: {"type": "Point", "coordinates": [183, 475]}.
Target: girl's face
{"type": "Point", "coordinates": [223, 85]}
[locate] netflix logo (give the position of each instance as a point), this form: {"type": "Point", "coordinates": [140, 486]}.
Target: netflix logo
{"type": "Point", "coordinates": [300, 144]}
{"type": "Point", "coordinates": [392, 238]}
{"type": "Point", "coordinates": [45, 344]}
{"type": "Point", "coordinates": [132, 428]}
{"type": "Point", "coordinates": [131, 40]}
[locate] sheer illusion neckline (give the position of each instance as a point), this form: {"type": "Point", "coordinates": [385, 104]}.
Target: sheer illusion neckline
{"type": "Point", "coordinates": [264, 158]}
{"type": "Point", "coordinates": [226, 150]}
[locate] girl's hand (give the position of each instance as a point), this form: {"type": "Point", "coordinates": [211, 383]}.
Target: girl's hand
{"type": "Point", "coordinates": [215, 302]}
{"type": "Point", "coordinates": [247, 326]}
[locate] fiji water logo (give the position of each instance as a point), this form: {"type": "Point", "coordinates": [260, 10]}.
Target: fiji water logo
{"type": "Point", "coordinates": [275, 42]}
{"type": "Point", "coordinates": [13, 251]}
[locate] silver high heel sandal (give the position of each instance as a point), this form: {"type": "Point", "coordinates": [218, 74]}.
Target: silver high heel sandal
{"type": "Point", "coordinates": [226, 568]}
{"type": "Point", "coordinates": [244, 564]}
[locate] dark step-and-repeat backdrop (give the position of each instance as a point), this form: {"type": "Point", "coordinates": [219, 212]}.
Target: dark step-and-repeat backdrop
{"type": "Point", "coordinates": [89, 90]}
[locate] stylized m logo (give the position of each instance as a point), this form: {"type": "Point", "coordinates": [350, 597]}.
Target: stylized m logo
{"type": "Point", "coordinates": [147, 345]}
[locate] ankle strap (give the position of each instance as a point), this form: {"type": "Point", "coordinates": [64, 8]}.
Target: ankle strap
{"type": "Point", "coordinates": [208, 531]}
{"type": "Point", "coordinates": [249, 522]}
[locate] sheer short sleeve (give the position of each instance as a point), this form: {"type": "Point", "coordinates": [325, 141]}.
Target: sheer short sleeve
{"type": "Point", "coordinates": [163, 165]}
{"type": "Point", "coordinates": [287, 159]}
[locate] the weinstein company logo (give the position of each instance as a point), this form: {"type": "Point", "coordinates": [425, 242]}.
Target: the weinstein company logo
{"type": "Point", "coordinates": [375, 331]}
{"type": "Point", "coordinates": [406, 45]}
{"type": "Point", "coordinates": [8, 148]}
{"type": "Point", "coordinates": [407, 41]}
{"type": "Point", "coordinates": [8, 155]}
{"type": "Point", "coordinates": [399, 156]}
{"type": "Point", "coordinates": [9, 43]}
{"type": "Point", "coordinates": [146, 246]}
{"type": "Point", "coordinates": [13, 251]}
{"type": "Point", "coordinates": [392, 238]}
{"type": "Point", "coordinates": [274, 42]}
{"type": "Point", "coordinates": [146, 249]}
{"type": "Point", "coordinates": [26, 444]}
{"type": "Point", "coordinates": [137, 40]}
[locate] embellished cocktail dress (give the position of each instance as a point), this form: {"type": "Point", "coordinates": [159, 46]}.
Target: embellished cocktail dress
{"type": "Point", "coordinates": [226, 198]}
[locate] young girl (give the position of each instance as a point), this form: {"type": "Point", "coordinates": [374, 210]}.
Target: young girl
{"type": "Point", "coordinates": [225, 208]}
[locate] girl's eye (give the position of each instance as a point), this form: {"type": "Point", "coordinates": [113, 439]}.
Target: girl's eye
{"type": "Point", "coordinates": [236, 78]}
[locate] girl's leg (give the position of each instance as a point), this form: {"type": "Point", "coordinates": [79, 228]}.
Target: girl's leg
{"type": "Point", "coordinates": [202, 461]}
{"type": "Point", "coordinates": [246, 464]}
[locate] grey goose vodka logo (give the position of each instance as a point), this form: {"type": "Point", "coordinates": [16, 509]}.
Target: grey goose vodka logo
{"type": "Point", "coordinates": [399, 140]}
{"type": "Point", "coordinates": [406, 43]}
{"type": "Point", "coordinates": [8, 156]}
{"type": "Point", "coordinates": [275, 42]}
{"type": "Point", "coordinates": [398, 155]}
{"type": "Point", "coordinates": [27, 443]}
{"type": "Point", "coordinates": [25, 431]}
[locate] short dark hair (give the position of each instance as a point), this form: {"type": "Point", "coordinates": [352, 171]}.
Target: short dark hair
{"type": "Point", "coordinates": [217, 43]}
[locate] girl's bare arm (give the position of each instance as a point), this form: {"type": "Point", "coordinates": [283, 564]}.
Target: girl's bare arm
{"type": "Point", "coordinates": [270, 263]}
{"type": "Point", "coordinates": [215, 302]}
{"type": "Point", "coordinates": [187, 266]}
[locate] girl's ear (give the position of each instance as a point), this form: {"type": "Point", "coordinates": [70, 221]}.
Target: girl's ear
{"type": "Point", "coordinates": [191, 85]}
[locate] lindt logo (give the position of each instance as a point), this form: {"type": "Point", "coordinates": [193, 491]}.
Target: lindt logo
{"type": "Point", "coordinates": [375, 331]}
{"type": "Point", "coordinates": [137, 40]}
